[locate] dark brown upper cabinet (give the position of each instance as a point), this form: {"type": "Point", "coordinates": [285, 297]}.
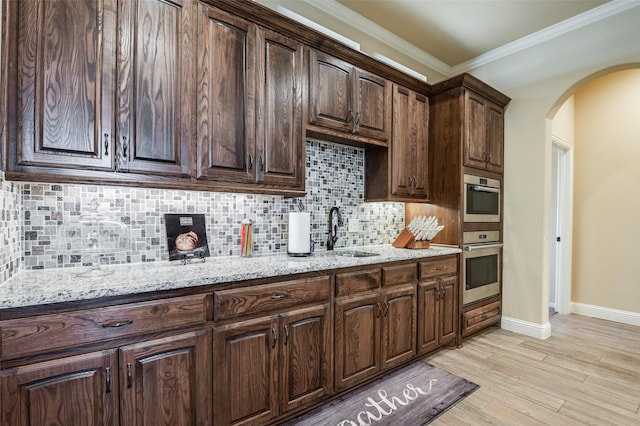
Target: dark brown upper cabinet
{"type": "Point", "coordinates": [485, 133]}
{"type": "Point", "coordinates": [226, 97]}
{"type": "Point", "coordinates": [250, 95]}
{"type": "Point", "coordinates": [60, 100]}
{"type": "Point", "coordinates": [155, 86]}
{"type": "Point", "coordinates": [69, 113]}
{"type": "Point", "coordinates": [280, 145]}
{"type": "Point", "coordinates": [400, 173]}
{"type": "Point", "coordinates": [409, 145]}
{"type": "Point", "coordinates": [346, 102]}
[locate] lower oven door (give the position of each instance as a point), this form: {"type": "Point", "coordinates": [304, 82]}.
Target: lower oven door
{"type": "Point", "coordinates": [481, 272]}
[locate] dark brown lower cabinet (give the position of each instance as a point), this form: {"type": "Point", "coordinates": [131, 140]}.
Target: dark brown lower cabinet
{"type": "Point", "coordinates": [79, 390]}
{"type": "Point", "coordinates": [357, 337]}
{"type": "Point", "coordinates": [163, 382]}
{"type": "Point", "coordinates": [374, 332]}
{"type": "Point", "coordinates": [436, 313]}
{"type": "Point", "coordinates": [167, 381]}
{"type": "Point", "coordinates": [282, 358]}
{"type": "Point", "coordinates": [398, 326]}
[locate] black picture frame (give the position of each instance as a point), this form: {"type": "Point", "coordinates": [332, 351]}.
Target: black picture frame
{"type": "Point", "coordinates": [186, 236]}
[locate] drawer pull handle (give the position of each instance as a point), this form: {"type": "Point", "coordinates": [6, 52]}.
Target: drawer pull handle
{"type": "Point", "coordinates": [275, 338]}
{"type": "Point", "coordinates": [116, 324]}
{"type": "Point", "coordinates": [280, 296]}
{"type": "Point", "coordinates": [286, 335]}
{"type": "Point", "coordinates": [129, 375]}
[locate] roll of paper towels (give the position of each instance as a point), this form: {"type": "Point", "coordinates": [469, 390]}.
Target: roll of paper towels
{"type": "Point", "coordinates": [299, 233]}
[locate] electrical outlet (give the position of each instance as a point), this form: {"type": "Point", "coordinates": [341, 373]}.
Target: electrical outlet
{"type": "Point", "coordinates": [354, 225]}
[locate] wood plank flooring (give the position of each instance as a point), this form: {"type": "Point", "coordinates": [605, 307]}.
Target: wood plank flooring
{"type": "Point", "coordinates": [586, 373]}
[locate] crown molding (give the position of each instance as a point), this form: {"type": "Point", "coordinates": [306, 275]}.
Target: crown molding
{"type": "Point", "coordinates": [353, 19]}
{"type": "Point", "coordinates": [589, 17]}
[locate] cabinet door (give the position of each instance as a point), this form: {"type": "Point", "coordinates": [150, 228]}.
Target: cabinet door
{"type": "Point", "coordinates": [74, 391]}
{"type": "Point", "coordinates": [428, 316]}
{"type": "Point", "coordinates": [279, 137]}
{"type": "Point", "coordinates": [156, 80]}
{"type": "Point", "coordinates": [402, 143]}
{"type": "Point", "coordinates": [226, 97]}
{"type": "Point", "coordinates": [420, 151]}
{"type": "Point", "coordinates": [64, 76]}
{"type": "Point", "coordinates": [306, 357]}
{"type": "Point", "coordinates": [448, 312]}
{"type": "Point", "coordinates": [330, 92]}
{"type": "Point", "coordinates": [495, 137]}
{"type": "Point", "coordinates": [167, 382]}
{"type": "Point", "coordinates": [476, 131]}
{"type": "Point", "coordinates": [398, 326]}
{"type": "Point", "coordinates": [246, 372]}
{"type": "Point", "coordinates": [357, 339]}
{"type": "Point", "coordinates": [373, 100]}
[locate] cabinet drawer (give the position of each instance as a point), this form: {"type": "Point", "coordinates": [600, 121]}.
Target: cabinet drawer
{"type": "Point", "coordinates": [357, 282]}
{"type": "Point", "coordinates": [400, 274]}
{"type": "Point", "coordinates": [268, 297]}
{"type": "Point", "coordinates": [56, 331]}
{"type": "Point", "coordinates": [433, 268]}
{"type": "Point", "coordinates": [479, 318]}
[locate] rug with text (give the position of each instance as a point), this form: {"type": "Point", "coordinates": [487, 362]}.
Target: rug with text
{"type": "Point", "coordinates": [411, 396]}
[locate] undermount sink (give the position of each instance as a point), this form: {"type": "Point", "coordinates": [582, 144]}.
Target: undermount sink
{"type": "Point", "coordinates": [354, 253]}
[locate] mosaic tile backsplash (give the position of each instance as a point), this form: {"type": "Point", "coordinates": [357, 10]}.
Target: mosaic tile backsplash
{"type": "Point", "coordinates": [10, 229]}
{"type": "Point", "coordinates": [32, 215]}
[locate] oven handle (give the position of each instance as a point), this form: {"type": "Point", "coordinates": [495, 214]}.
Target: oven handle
{"type": "Point", "coordinates": [482, 246]}
{"type": "Point", "coordinates": [479, 188]}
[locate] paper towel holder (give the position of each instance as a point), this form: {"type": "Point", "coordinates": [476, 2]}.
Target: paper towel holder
{"type": "Point", "coordinates": [300, 243]}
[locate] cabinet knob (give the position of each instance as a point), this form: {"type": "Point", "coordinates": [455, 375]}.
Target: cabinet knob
{"type": "Point", "coordinates": [274, 340]}
{"type": "Point", "coordinates": [250, 162]}
{"type": "Point", "coordinates": [106, 144]}
{"type": "Point", "coordinates": [129, 375]}
{"type": "Point", "coordinates": [286, 335]}
{"type": "Point", "coordinates": [107, 372]}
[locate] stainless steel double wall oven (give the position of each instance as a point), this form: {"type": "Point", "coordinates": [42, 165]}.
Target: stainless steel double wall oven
{"type": "Point", "coordinates": [482, 263]}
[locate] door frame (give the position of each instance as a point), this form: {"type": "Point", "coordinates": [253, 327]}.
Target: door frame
{"type": "Point", "coordinates": [564, 219]}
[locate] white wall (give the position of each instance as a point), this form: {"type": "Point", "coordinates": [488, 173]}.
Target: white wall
{"type": "Point", "coordinates": [555, 68]}
{"type": "Point", "coordinates": [606, 203]}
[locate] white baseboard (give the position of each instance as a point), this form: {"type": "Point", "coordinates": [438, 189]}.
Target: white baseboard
{"type": "Point", "coordinates": [539, 331]}
{"type": "Point", "coordinates": [617, 315]}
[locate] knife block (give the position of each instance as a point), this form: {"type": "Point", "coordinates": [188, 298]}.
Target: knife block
{"type": "Point", "coordinates": [407, 240]}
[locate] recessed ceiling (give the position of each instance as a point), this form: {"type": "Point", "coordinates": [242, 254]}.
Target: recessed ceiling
{"type": "Point", "coordinates": [455, 31]}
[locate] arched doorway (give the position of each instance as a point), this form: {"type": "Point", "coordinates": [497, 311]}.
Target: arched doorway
{"type": "Point", "coordinates": [593, 273]}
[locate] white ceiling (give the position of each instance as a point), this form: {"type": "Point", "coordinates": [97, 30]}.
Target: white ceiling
{"type": "Point", "coordinates": [456, 31]}
{"type": "Point", "coordinates": [506, 43]}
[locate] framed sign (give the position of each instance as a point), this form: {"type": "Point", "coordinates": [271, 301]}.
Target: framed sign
{"type": "Point", "coordinates": [186, 236]}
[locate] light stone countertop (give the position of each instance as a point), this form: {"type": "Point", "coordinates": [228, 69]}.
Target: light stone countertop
{"type": "Point", "coordinates": [31, 288]}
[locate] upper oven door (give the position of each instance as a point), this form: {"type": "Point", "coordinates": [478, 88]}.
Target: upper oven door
{"type": "Point", "coordinates": [481, 199]}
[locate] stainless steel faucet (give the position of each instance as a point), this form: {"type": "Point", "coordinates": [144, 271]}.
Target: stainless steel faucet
{"type": "Point", "coordinates": [335, 220]}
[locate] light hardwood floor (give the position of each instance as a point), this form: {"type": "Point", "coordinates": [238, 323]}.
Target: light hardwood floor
{"type": "Point", "coordinates": [586, 373]}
